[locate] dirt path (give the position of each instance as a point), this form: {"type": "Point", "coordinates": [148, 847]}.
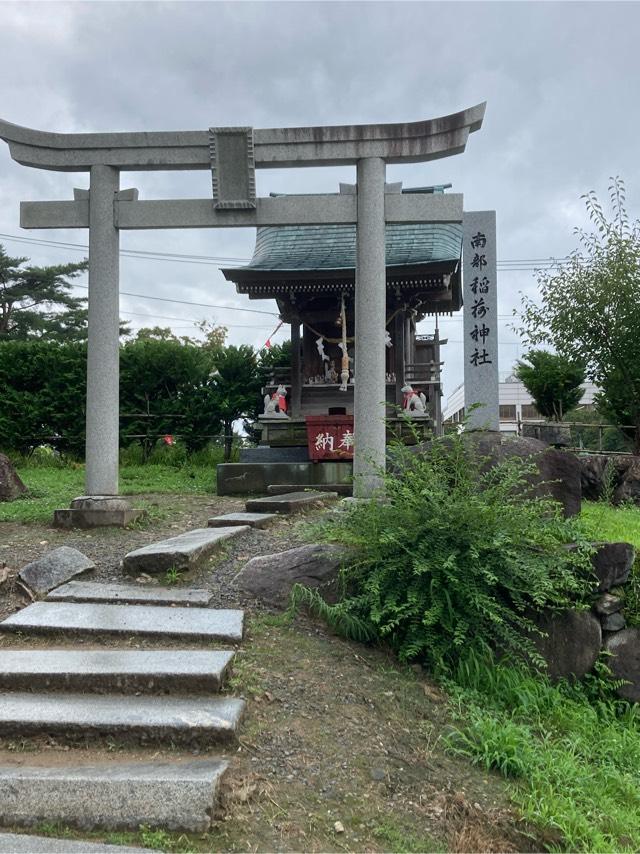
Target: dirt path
{"type": "Point", "coordinates": [341, 749]}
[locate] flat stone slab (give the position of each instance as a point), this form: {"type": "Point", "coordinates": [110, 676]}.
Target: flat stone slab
{"type": "Point", "coordinates": [106, 670]}
{"type": "Point", "coordinates": [142, 620]}
{"type": "Point", "coordinates": [22, 843]}
{"type": "Point", "coordinates": [112, 796]}
{"type": "Point", "coordinates": [54, 568]}
{"type": "Point", "coordinates": [91, 591]}
{"type": "Point", "coordinates": [283, 488]}
{"type": "Point", "coordinates": [183, 552]}
{"type": "Point", "coordinates": [253, 520]}
{"type": "Point", "coordinates": [290, 502]}
{"type": "Point", "coordinates": [183, 720]}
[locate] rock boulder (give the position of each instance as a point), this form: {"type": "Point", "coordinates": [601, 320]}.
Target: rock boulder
{"type": "Point", "coordinates": [270, 578]}
{"type": "Point", "coordinates": [612, 564]}
{"type": "Point", "coordinates": [592, 468]}
{"type": "Point", "coordinates": [624, 475]}
{"type": "Point", "coordinates": [624, 662]}
{"type": "Point", "coordinates": [572, 643]}
{"type": "Point", "coordinates": [559, 471]}
{"type": "Point", "coordinates": [54, 568]}
{"type": "Point", "coordinates": [11, 487]}
{"type": "Point", "coordinates": [628, 485]}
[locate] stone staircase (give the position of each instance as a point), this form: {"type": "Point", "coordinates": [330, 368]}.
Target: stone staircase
{"type": "Point", "coordinates": [163, 695]}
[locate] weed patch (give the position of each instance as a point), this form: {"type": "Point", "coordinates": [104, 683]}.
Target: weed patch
{"type": "Point", "coordinates": [572, 757]}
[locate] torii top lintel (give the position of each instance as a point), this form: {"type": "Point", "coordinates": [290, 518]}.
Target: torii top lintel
{"type": "Point", "coordinates": [411, 142]}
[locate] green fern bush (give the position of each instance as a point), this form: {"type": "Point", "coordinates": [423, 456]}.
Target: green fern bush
{"type": "Point", "coordinates": [459, 556]}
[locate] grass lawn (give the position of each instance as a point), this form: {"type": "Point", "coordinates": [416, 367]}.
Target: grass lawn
{"type": "Point", "coordinates": [613, 524]}
{"type": "Point", "coordinates": [572, 758]}
{"type": "Point", "coordinates": [51, 488]}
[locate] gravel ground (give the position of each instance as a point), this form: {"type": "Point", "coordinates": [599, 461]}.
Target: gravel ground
{"type": "Point", "coordinates": [170, 515]}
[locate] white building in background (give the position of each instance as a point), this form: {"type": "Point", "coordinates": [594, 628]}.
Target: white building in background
{"type": "Point", "coordinates": [515, 404]}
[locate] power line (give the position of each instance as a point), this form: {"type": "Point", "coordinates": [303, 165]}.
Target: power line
{"type": "Point", "coordinates": [133, 253]}
{"type": "Point", "coordinates": [524, 264]}
{"type": "Point", "coordinates": [165, 317]}
{"type": "Point", "coordinates": [187, 302]}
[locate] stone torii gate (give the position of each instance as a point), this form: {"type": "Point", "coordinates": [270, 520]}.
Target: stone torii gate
{"type": "Point", "coordinates": [232, 154]}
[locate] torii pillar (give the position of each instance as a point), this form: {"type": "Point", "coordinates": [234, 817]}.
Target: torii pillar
{"type": "Point", "coordinates": [103, 345]}
{"type": "Point", "coordinates": [232, 155]}
{"type": "Point", "coordinates": [369, 405]}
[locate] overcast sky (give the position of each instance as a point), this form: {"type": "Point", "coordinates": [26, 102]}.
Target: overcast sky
{"type": "Point", "coordinates": [560, 79]}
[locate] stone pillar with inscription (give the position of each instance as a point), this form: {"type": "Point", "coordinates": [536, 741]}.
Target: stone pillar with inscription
{"type": "Point", "coordinates": [480, 320]}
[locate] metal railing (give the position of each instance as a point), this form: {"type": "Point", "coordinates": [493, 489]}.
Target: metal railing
{"type": "Point", "coordinates": [579, 439]}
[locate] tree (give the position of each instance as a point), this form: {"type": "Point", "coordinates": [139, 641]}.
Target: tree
{"type": "Point", "coordinates": [214, 336]}
{"type": "Point", "coordinates": [155, 333]}
{"type": "Point", "coordinates": [31, 299]}
{"type": "Point", "coordinates": [589, 309]}
{"type": "Point", "coordinates": [166, 387]}
{"type": "Point", "coordinates": [42, 395]}
{"type": "Point", "coordinates": [36, 302]}
{"type": "Point", "coordinates": [276, 356]}
{"type": "Point", "coordinates": [553, 382]}
{"type": "Point", "coordinates": [236, 386]}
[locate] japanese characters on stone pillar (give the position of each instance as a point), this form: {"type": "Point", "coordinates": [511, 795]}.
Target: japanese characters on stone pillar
{"type": "Point", "coordinates": [480, 319]}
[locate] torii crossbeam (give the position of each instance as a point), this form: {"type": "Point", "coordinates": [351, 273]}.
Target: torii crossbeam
{"type": "Point", "coordinates": [232, 155]}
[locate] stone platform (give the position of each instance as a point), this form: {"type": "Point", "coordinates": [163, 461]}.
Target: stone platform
{"type": "Point", "coordinates": [249, 478]}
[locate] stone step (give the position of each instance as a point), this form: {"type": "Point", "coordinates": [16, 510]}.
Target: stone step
{"type": "Point", "coordinates": [182, 553]}
{"type": "Point", "coordinates": [290, 502]}
{"type": "Point", "coordinates": [112, 796]}
{"type": "Point", "coordinates": [23, 843]}
{"type": "Point", "coordinates": [140, 620]}
{"type": "Point", "coordinates": [184, 720]}
{"type": "Point", "coordinates": [253, 520]}
{"type": "Point", "coordinates": [105, 670]}
{"type": "Point", "coordinates": [92, 591]}
{"type": "Point", "coordinates": [283, 488]}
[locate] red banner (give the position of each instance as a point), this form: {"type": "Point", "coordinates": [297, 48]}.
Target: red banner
{"type": "Point", "coordinates": [330, 437]}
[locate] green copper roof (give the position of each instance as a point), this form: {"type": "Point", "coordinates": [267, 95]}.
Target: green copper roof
{"type": "Point", "coordinates": [333, 247]}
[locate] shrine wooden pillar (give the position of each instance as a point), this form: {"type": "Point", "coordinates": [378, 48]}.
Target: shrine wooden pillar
{"type": "Point", "coordinates": [296, 369]}
{"type": "Point", "coordinates": [399, 354]}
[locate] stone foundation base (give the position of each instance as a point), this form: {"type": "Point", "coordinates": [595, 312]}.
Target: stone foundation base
{"type": "Point", "coordinates": [96, 511]}
{"type": "Point", "coordinates": [252, 478]}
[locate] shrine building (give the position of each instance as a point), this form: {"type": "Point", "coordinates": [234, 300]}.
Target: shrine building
{"type": "Point", "coordinates": [310, 271]}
